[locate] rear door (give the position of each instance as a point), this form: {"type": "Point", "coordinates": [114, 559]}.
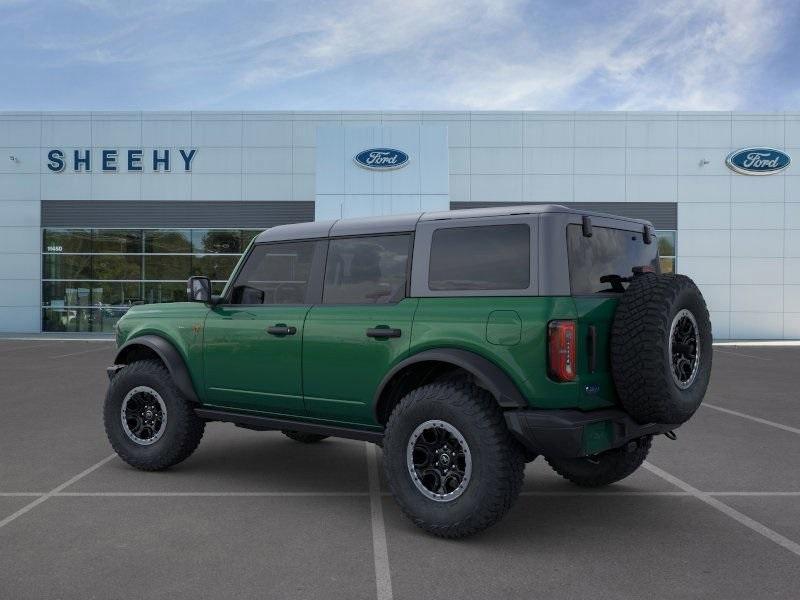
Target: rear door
{"type": "Point", "coordinates": [598, 266]}
{"type": "Point", "coordinates": [362, 327]}
{"type": "Point", "coordinates": [253, 341]}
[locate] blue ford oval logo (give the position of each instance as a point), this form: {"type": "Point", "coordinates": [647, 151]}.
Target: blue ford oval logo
{"type": "Point", "coordinates": [758, 161]}
{"type": "Point", "coordinates": [381, 159]}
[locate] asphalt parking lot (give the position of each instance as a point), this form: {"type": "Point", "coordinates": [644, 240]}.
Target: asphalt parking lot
{"type": "Point", "coordinates": [715, 514]}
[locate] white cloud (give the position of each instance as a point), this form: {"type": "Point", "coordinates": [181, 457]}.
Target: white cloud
{"type": "Point", "coordinates": [459, 54]}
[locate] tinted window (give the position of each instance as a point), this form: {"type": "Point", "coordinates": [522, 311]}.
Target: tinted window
{"type": "Point", "coordinates": [598, 263]}
{"type": "Point", "coordinates": [275, 274]}
{"type": "Point", "coordinates": [366, 270]}
{"type": "Point", "coordinates": [493, 257]}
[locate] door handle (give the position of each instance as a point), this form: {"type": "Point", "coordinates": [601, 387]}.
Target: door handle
{"type": "Point", "coordinates": [281, 329]}
{"type": "Point", "coordinates": [383, 332]}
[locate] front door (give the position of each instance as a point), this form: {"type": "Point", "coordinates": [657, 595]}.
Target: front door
{"type": "Point", "coordinates": [362, 327]}
{"type": "Point", "coordinates": [253, 339]}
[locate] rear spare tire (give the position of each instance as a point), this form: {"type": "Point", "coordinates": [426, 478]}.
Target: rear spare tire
{"type": "Point", "coordinates": [661, 348]}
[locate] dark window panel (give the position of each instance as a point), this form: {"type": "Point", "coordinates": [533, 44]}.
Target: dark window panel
{"type": "Point", "coordinates": [608, 252]}
{"type": "Point", "coordinates": [67, 240]}
{"type": "Point", "coordinates": [666, 243]}
{"type": "Point", "coordinates": [67, 266]}
{"type": "Point", "coordinates": [90, 293]}
{"type": "Point", "coordinates": [167, 241]}
{"type": "Point", "coordinates": [275, 274]}
{"type": "Point", "coordinates": [123, 241]}
{"type": "Point", "coordinates": [116, 267]}
{"type": "Point", "coordinates": [81, 319]}
{"type": "Point", "coordinates": [214, 266]}
{"type": "Point", "coordinates": [247, 237]}
{"type": "Point", "coordinates": [667, 265]}
{"type": "Point", "coordinates": [490, 257]}
{"type": "Point", "coordinates": [366, 270]}
{"type": "Point", "coordinates": [221, 241]}
{"type": "Point", "coordinates": [164, 292]}
{"type": "Point", "coordinates": [167, 267]}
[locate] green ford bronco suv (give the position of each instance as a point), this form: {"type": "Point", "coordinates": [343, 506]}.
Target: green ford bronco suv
{"type": "Point", "coordinates": [464, 343]}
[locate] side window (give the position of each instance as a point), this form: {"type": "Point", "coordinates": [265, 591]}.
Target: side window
{"type": "Point", "coordinates": [486, 257]}
{"type": "Point", "coordinates": [275, 274]}
{"type": "Point", "coordinates": [366, 270]}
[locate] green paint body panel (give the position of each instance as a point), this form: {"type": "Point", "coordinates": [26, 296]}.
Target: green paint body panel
{"type": "Point", "coordinates": [248, 368]}
{"type": "Point", "coordinates": [342, 367]}
{"type": "Point", "coordinates": [330, 369]}
{"type": "Point", "coordinates": [180, 323]}
{"type": "Point", "coordinates": [462, 323]}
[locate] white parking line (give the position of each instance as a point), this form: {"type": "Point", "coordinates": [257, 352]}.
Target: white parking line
{"type": "Point", "coordinates": [54, 491]}
{"type": "Point", "coordinates": [55, 339]}
{"type": "Point", "coordinates": [383, 578]}
{"type": "Point", "coordinates": [734, 514]}
{"type": "Point", "coordinates": [76, 353]}
{"type": "Point", "coordinates": [752, 418]}
{"type": "Point", "coordinates": [210, 494]}
{"type": "Point", "coordinates": [762, 343]}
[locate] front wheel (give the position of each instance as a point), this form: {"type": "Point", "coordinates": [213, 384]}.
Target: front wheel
{"type": "Point", "coordinates": [150, 425]}
{"type": "Point", "coordinates": [450, 462]}
{"type": "Point", "coordinates": [604, 468]}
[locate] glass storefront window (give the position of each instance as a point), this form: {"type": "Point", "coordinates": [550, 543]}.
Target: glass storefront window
{"type": "Point", "coordinates": [90, 293]}
{"type": "Point", "coordinates": [67, 266]}
{"type": "Point", "coordinates": [666, 250]}
{"type": "Point", "coordinates": [91, 277]}
{"type": "Point", "coordinates": [172, 241]}
{"type": "Point", "coordinates": [214, 266]}
{"type": "Point", "coordinates": [247, 237]}
{"type": "Point", "coordinates": [163, 267]}
{"type": "Point", "coordinates": [67, 240]}
{"type": "Point", "coordinates": [221, 241]}
{"type": "Point", "coordinates": [155, 292]}
{"type": "Point", "coordinates": [118, 241]}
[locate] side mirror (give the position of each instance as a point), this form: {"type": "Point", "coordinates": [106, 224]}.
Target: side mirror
{"type": "Point", "coordinates": [198, 289]}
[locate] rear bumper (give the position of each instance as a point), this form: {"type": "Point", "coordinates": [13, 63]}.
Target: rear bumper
{"type": "Point", "coordinates": [571, 433]}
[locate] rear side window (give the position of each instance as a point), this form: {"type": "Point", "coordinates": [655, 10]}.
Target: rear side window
{"type": "Point", "coordinates": [275, 274]}
{"type": "Point", "coordinates": [488, 257]}
{"type": "Point", "coordinates": [601, 263]}
{"type": "Point", "coordinates": [366, 270]}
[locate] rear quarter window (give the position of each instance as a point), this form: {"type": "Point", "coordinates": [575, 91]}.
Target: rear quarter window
{"type": "Point", "coordinates": [484, 257]}
{"type": "Point", "coordinates": [595, 261]}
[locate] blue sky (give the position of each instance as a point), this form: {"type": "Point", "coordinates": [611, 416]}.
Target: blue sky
{"type": "Point", "coordinates": [391, 54]}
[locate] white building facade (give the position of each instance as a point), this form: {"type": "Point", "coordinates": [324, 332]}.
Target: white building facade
{"type": "Point", "coordinates": [99, 211]}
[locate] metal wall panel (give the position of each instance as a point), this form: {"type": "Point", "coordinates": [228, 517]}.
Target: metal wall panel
{"type": "Point", "coordinates": [663, 215]}
{"type": "Point", "coordinates": [136, 213]}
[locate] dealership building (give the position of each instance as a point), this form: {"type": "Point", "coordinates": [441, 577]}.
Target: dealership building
{"type": "Point", "coordinates": [103, 210]}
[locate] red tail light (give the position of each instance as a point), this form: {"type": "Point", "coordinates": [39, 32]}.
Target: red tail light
{"type": "Point", "coordinates": [561, 350]}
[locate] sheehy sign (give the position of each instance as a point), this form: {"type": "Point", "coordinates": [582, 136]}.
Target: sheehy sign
{"type": "Point", "coordinates": [112, 160]}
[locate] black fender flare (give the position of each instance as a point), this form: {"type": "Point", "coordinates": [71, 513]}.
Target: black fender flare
{"type": "Point", "coordinates": [489, 375]}
{"type": "Point", "coordinates": [171, 358]}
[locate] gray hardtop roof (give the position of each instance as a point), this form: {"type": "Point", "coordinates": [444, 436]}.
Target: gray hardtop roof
{"type": "Point", "coordinates": [405, 223]}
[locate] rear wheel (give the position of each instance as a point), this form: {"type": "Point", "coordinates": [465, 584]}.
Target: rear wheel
{"type": "Point", "coordinates": [305, 438]}
{"type": "Point", "coordinates": [150, 425]}
{"type": "Point", "coordinates": [604, 468]}
{"type": "Point", "coordinates": [450, 462]}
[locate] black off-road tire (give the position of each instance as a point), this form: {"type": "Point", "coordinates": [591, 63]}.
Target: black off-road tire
{"type": "Point", "coordinates": [182, 432]}
{"type": "Point", "coordinates": [641, 364]}
{"type": "Point", "coordinates": [497, 459]}
{"type": "Point", "coordinates": [305, 438]}
{"type": "Point", "coordinates": [604, 468]}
